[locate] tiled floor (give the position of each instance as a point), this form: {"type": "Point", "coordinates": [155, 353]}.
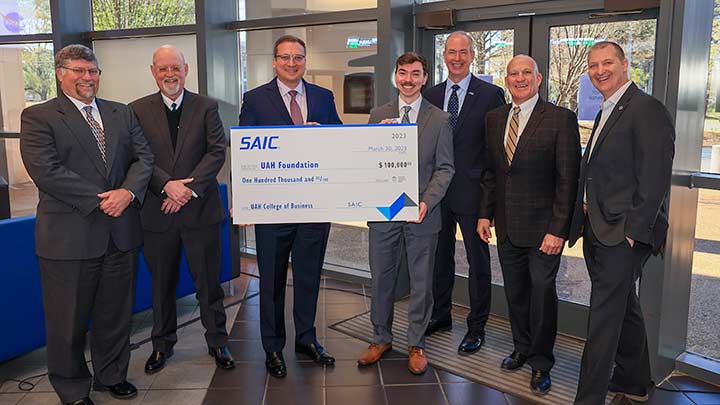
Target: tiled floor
{"type": "Point", "coordinates": [191, 377]}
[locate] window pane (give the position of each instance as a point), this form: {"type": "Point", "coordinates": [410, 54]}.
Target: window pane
{"type": "Point", "coordinates": [28, 77]}
{"type": "Point", "coordinates": [126, 61]}
{"type": "Point", "coordinates": [122, 14]}
{"type": "Point", "coordinates": [710, 158]}
{"type": "Point", "coordinates": [493, 51]}
{"type": "Point", "coordinates": [25, 17]}
{"type": "Point", "coordinates": [704, 312]}
{"type": "Point", "coordinates": [340, 57]}
{"type": "Point", "coordinates": [250, 9]}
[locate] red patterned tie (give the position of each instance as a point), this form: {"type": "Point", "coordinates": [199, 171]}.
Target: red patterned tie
{"type": "Point", "coordinates": [295, 112]}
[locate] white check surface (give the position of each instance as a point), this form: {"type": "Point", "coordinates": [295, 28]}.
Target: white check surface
{"type": "Point", "coordinates": [324, 173]}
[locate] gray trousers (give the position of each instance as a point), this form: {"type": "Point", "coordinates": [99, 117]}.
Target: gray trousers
{"type": "Point", "coordinates": [385, 257]}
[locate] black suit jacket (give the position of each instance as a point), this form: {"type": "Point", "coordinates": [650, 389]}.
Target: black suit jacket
{"type": "Point", "coordinates": [62, 157]}
{"type": "Point", "coordinates": [535, 195]}
{"type": "Point", "coordinates": [469, 142]}
{"type": "Point", "coordinates": [628, 175]}
{"type": "Point", "coordinates": [199, 153]}
{"type": "Point", "coordinates": [263, 105]}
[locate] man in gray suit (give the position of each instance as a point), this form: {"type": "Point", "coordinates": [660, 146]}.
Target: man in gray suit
{"type": "Point", "coordinates": [87, 231]}
{"type": "Point", "coordinates": [436, 169]}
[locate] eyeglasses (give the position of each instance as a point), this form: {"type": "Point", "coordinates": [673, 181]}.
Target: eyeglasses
{"type": "Point", "coordinates": [285, 58]}
{"type": "Point", "coordinates": [94, 72]}
{"type": "Point", "coordinates": [166, 69]}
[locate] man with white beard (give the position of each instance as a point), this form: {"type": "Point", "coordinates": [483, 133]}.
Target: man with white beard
{"type": "Point", "coordinates": [183, 206]}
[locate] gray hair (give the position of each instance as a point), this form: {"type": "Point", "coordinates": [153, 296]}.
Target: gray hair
{"type": "Point", "coordinates": [464, 34]}
{"type": "Point", "coordinates": [74, 52]}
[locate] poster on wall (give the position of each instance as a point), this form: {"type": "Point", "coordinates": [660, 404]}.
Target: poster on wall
{"type": "Point", "coordinates": [589, 99]}
{"type": "Point", "coordinates": [11, 18]}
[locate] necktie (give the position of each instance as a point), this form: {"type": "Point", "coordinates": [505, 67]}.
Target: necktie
{"type": "Point", "coordinates": [295, 112]}
{"type": "Point", "coordinates": [453, 106]}
{"type": "Point", "coordinates": [512, 138]}
{"type": "Point", "coordinates": [406, 114]}
{"type": "Point", "coordinates": [97, 131]}
{"type": "Point", "coordinates": [173, 107]}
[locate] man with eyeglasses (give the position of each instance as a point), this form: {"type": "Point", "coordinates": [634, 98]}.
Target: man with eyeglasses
{"type": "Point", "coordinates": [183, 208]}
{"type": "Point", "coordinates": [91, 164]}
{"type": "Point", "coordinates": [289, 100]}
{"type": "Point", "coordinates": [466, 98]}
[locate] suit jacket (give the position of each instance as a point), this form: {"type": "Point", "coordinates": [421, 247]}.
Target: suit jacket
{"type": "Point", "coordinates": [469, 142]}
{"type": "Point", "coordinates": [199, 153]}
{"type": "Point", "coordinates": [535, 194]}
{"type": "Point", "coordinates": [263, 105]}
{"type": "Point", "coordinates": [628, 175]}
{"type": "Point", "coordinates": [62, 157]}
{"type": "Point", "coordinates": [435, 161]}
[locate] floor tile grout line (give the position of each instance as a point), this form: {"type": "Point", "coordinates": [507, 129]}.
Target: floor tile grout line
{"type": "Point", "coordinates": [437, 377]}
{"type": "Point", "coordinates": [265, 391]}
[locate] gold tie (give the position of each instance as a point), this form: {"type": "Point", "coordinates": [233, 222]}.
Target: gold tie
{"type": "Point", "coordinates": [512, 138]}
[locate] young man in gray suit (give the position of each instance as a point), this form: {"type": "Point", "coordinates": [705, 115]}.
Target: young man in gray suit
{"type": "Point", "coordinates": [436, 169]}
{"type": "Point", "coordinates": [87, 231]}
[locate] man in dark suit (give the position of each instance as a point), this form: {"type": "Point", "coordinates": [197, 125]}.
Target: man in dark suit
{"type": "Point", "coordinates": [466, 98]}
{"type": "Point", "coordinates": [183, 208]}
{"type": "Point", "coordinates": [534, 150]}
{"type": "Point", "coordinates": [435, 161]}
{"type": "Point", "coordinates": [289, 100]}
{"type": "Point", "coordinates": [91, 164]}
{"type": "Point", "coordinates": [624, 180]}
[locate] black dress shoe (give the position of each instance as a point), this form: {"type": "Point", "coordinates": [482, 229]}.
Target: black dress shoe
{"type": "Point", "coordinates": [84, 401]}
{"type": "Point", "coordinates": [123, 390]}
{"type": "Point", "coordinates": [316, 353]}
{"type": "Point", "coordinates": [514, 361]}
{"type": "Point", "coordinates": [275, 364]}
{"type": "Point", "coordinates": [471, 343]}
{"type": "Point", "coordinates": [156, 361]}
{"type": "Point", "coordinates": [540, 382]}
{"type": "Point", "coordinates": [438, 325]}
{"type": "Point", "coordinates": [222, 356]}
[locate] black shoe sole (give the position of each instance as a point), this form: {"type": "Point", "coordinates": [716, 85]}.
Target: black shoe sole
{"type": "Point", "coordinates": [439, 330]}
{"type": "Point", "coordinates": [468, 352]}
{"type": "Point", "coordinates": [153, 371]}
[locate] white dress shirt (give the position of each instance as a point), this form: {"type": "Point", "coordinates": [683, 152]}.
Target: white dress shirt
{"type": "Point", "coordinates": [95, 112]}
{"type": "Point", "coordinates": [415, 109]}
{"type": "Point", "coordinates": [461, 92]}
{"type": "Point", "coordinates": [300, 97]}
{"type": "Point", "coordinates": [526, 110]}
{"type": "Point", "coordinates": [169, 102]}
{"type": "Point", "coordinates": [607, 108]}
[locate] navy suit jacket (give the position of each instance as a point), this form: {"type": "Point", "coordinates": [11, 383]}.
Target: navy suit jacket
{"type": "Point", "coordinates": [469, 142]}
{"type": "Point", "coordinates": [263, 105]}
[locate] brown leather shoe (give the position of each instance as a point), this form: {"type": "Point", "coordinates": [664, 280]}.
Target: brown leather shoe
{"type": "Point", "coordinates": [417, 363]}
{"type": "Point", "coordinates": [373, 353]}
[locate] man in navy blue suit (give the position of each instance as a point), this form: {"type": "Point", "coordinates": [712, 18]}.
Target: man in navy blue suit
{"type": "Point", "coordinates": [466, 98]}
{"type": "Point", "coordinates": [289, 100]}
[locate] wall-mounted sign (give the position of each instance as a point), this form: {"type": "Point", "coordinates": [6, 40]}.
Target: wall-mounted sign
{"type": "Point", "coordinates": [361, 42]}
{"type": "Point", "coordinates": [11, 18]}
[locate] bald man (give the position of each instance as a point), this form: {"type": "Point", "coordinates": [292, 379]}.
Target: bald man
{"type": "Point", "coordinates": [534, 149]}
{"type": "Point", "coordinates": [183, 207]}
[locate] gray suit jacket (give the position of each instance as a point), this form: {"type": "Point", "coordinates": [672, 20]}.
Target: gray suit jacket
{"type": "Point", "coordinates": [63, 159]}
{"type": "Point", "coordinates": [435, 161]}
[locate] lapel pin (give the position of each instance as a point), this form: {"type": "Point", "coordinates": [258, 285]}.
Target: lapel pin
{"type": "Point", "coordinates": [621, 107]}
{"type": "Point", "coordinates": [471, 93]}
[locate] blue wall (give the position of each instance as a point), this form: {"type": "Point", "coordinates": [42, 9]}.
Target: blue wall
{"type": "Point", "coordinates": [22, 320]}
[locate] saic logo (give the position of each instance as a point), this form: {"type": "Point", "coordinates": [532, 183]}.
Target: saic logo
{"type": "Point", "coordinates": [258, 142]}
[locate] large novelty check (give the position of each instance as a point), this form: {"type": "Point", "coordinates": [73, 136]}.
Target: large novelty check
{"type": "Point", "coordinates": [324, 173]}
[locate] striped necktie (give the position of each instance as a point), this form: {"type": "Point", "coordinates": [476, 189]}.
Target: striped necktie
{"type": "Point", "coordinates": [512, 138]}
{"type": "Point", "coordinates": [406, 114]}
{"type": "Point", "coordinates": [97, 131]}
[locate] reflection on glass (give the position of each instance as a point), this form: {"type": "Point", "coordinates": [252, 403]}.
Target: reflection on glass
{"type": "Point", "coordinates": [334, 54]}
{"type": "Point", "coordinates": [704, 312]}
{"type": "Point", "coordinates": [711, 137]}
{"type": "Point", "coordinates": [28, 78]}
{"type": "Point", "coordinates": [568, 83]}
{"type": "Point", "coordinates": [123, 14]}
{"type": "Point", "coordinates": [25, 17]}
{"type": "Point", "coordinates": [493, 51]}
{"type": "Point", "coordinates": [263, 9]}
